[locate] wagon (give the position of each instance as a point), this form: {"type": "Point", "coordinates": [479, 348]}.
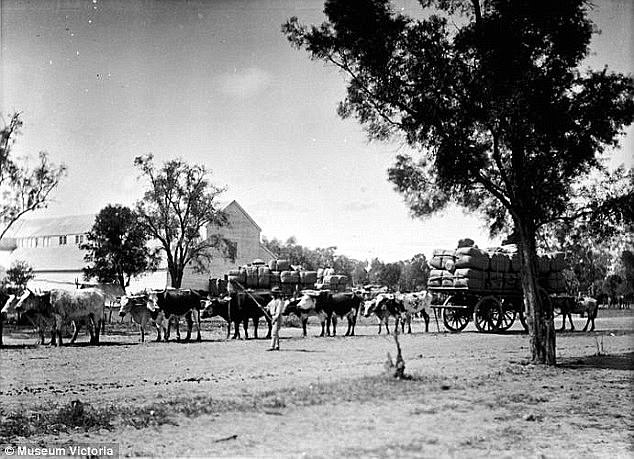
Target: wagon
{"type": "Point", "coordinates": [491, 310]}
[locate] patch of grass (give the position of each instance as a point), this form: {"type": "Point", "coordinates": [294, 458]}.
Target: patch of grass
{"type": "Point", "coordinates": [72, 416]}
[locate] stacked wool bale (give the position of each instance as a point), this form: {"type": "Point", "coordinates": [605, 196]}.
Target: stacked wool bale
{"type": "Point", "coordinates": [442, 266]}
{"type": "Point", "coordinates": [550, 268]}
{"type": "Point", "coordinates": [259, 275]}
{"type": "Point", "coordinates": [335, 282]}
{"type": "Point", "coordinates": [472, 265]}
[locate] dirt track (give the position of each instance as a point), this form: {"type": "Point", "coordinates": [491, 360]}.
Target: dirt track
{"type": "Point", "coordinates": [472, 394]}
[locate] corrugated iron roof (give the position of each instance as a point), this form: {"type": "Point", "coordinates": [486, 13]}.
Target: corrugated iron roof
{"type": "Point", "coordinates": [54, 226]}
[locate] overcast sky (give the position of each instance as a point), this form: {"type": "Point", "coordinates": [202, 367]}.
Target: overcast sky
{"type": "Point", "coordinates": [215, 82]}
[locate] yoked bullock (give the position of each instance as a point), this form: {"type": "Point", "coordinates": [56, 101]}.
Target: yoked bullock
{"type": "Point", "coordinates": [569, 305]}
{"type": "Point", "coordinates": [327, 306]}
{"type": "Point", "coordinates": [414, 303]}
{"type": "Point", "coordinates": [238, 308]}
{"type": "Point", "coordinates": [57, 307]}
{"type": "Point", "coordinates": [384, 306]}
{"type": "Point", "coordinates": [162, 308]}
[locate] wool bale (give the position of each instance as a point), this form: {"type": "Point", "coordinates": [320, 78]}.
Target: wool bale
{"type": "Point", "coordinates": [283, 265]}
{"type": "Point", "coordinates": [238, 275]}
{"type": "Point", "coordinates": [469, 273]}
{"type": "Point", "coordinates": [308, 277]}
{"type": "Point", "coordinates": [273, 265]}
{"type": "Point", "coordinates": [499, 262]}
{"type": "Point", "coordinates": [471, 251]}
{"type": "Point", "coordinates": [275, 278]}
{"type": "Point", "coordinates": [543, 264]}
{"type": "Point", "coordinates": [252, 277]}
{"type": "Point", "coordinates": [516, 265]}
{"type": "Point", "coordinates": [264, 277]}
{"type": "Point", "coordinates": [435, 274]}
{"type": "Point", "coordinates": [289, 277]}
{"type": "Point", "coordinates": [478, 261]}
{"type": "Point", "coordinates": [468, 282]}
{"type": "Point", "coordinates": [447, 281]}
{"type": "Point", "coordinates": [557, 261]}
{"type": "Point", "coordinates": [437, 282]}
{"type": "Point", "coordinates": [258, 262]}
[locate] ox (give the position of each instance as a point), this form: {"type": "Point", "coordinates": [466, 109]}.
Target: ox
{"type": "Point", "coordinates": [384, 306]}
{"type": "Point", "coordinates": [176, 304]}
{"type": "Point", "coordinates": [414, 303]}
{"type": "Point", "coordinates": [61, 306]}
{"type": "Point", "coordinates": [113, 294]}
{"type": "Point", "coordinates": [327, 306]}
{"type": "Point", "coordinates": [569, 305]}
{"type": "Point", "coordinates": [142, 310]}
{"type": "Point", "coordinates": [238, 308]}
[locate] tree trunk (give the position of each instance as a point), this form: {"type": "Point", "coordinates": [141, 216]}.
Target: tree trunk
{"type": "Point", "coordinates": [539, 311]}
{"type": "Point", "coordinates": [176, 276]}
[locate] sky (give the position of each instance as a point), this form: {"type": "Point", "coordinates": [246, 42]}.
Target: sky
{"type": "Point", "coordinates": [215, 82]}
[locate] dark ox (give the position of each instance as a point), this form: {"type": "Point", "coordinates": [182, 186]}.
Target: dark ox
{"type": "Point", "coordinates": [142, 310]}
{"type": "Point", "coordinates": [384, 306]}
{"type": "Point", "coordinates": [569, 305]}
{"type": "Point", "coordinates": [327, 306]}
{"type": "Point", "coordinates": [64, 306]}
{"type": "Point", "coordinates": [175, 304]}
{"type": "Point", "coordinates": [238, 308]}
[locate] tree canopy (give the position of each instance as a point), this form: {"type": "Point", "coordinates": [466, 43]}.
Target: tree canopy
{"type": "Point", "coordinates": [489, 96]}
{"type": "Point", "coordinates": [23, 187]}
{"type": "Point", "coordinates": [181, 202]}
{"type": "Point", "coordinates": [117, 247]}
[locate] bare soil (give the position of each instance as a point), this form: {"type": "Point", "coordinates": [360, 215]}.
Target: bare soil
{"type": "Point", "coordinates": [470, 394]}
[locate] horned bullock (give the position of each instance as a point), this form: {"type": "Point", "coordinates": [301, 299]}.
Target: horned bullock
{"type": "Point", "coordinates": [176, 304]}
{"type": "Point", "coordinates": [65, 306]}
{"type": "Point", "coordinates": [414, 303]}
{"type": "Point", "coordinates": [238, 308]}
{"type": "Point", "coordinates": [143, 310]}
{"type": "Point", "coordinates": [328, 307]}
{"type": "Point", "coordinates": [569, 305]}
{"type": "Point", "coordinates": [384, 306]}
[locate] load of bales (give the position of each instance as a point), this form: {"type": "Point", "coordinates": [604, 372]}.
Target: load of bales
{"type": "Point", "coordinates": [496, 269]}
{"type": "Point", "coordinates": [280, 273]}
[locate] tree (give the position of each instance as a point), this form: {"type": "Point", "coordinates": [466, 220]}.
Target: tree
{"type": "Point", "coordinates": [360, 274]}
{"type": "Point", "coordinates": [23, 188]}
{"type": "Point", "coordinates": [414, 274]}
{"type": "Point", "coordinates": [179, 203]}
{"type": "Point", "coordinates": [20, 273]}
{"type": "Point", "coordinates": [488, 95]}
{"type": "Point", "coordinates": [117, 247]}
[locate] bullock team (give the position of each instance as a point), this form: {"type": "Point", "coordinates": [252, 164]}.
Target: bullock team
{"type": "Point", "coordinates": [55, 309]}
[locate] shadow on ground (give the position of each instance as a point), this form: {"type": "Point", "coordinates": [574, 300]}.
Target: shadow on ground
{"type": "Point", "coordinates": [605, 362]}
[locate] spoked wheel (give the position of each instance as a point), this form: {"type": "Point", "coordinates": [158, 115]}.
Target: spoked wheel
{"type": "Point", "coordinates": [455, 319]}
{"type": "Point", "coordinates": [507, 319]}
{"type": "Point", "coordinates": [488, 314]}
{"type": "Point", "coordinates": [523, 319]}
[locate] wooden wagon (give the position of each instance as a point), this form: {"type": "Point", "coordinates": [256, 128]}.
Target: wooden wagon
{"type": "Point", "coordinates": [490, 310]}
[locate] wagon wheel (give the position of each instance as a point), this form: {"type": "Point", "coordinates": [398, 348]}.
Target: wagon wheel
{"type": "Point", "coordinates": [488, 314]}
{"type": "Point", "coordinates": [523, 319]}
{"type": "Point", "coordinates": [455, 319]}
{"type": "Point", "coordinates": [508, 318]}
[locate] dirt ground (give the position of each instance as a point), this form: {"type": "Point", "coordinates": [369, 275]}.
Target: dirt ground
{"type": "Point", "coordinates": [470, 394]}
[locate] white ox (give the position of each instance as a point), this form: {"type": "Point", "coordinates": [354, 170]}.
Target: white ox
{"type": "Point", "coordinates": [415, 303]}
{"type": "Point", "coordinates": [63, 306]}
{"type": "Point", "coordinates": [143, 310]}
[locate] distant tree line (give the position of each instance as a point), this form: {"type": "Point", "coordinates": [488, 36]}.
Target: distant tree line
{"type": "Point", "coordinates": [406, 275]}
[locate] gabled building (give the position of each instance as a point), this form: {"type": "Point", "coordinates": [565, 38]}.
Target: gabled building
{"type": "Point", "coordinates": [51, 247]}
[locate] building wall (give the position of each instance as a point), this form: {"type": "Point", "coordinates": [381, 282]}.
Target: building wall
{"type": "Point", "coordinates": [242, 231]}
